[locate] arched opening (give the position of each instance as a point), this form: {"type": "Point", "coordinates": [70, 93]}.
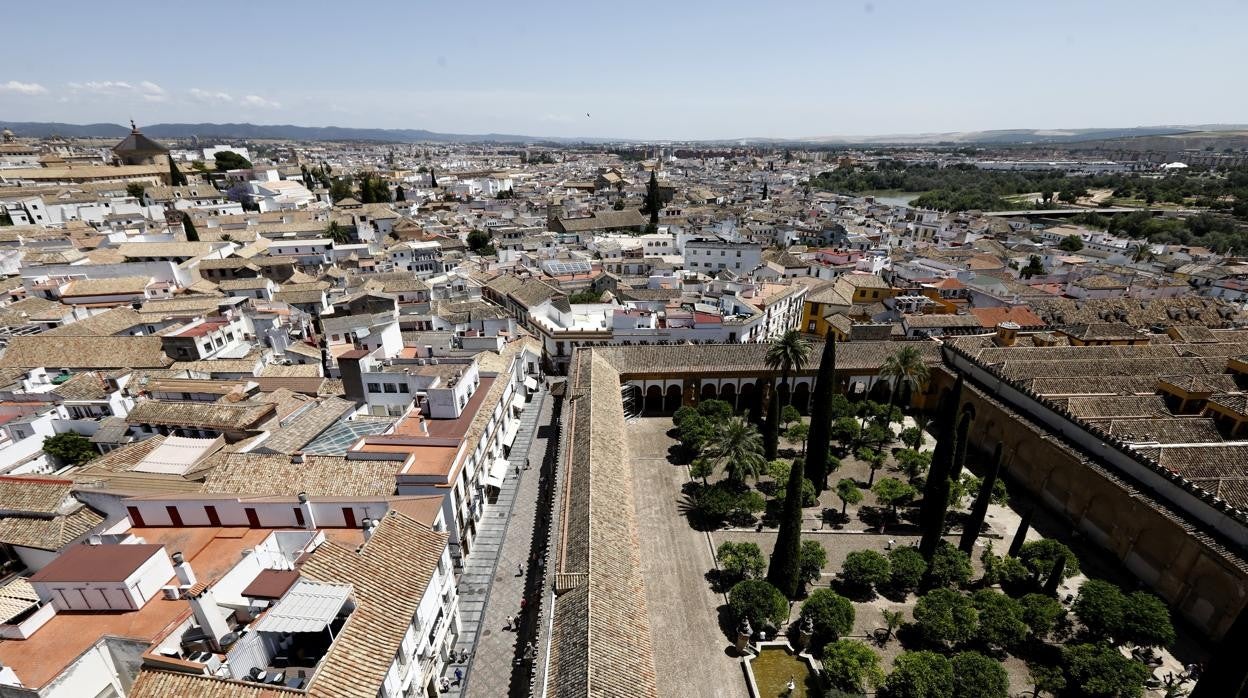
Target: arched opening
{"type": "Point", "coordinates": [801, 397]}
{"type": "Point", "coordinates": [879, 391]}
{"type": "Point", "coordinates": [728, 393]}
{"type": "Point", "coordinates": [708, 391]}
{"type": "Point", "coordinates": [672, 401]}
{"type": "Point", "coordinates": [654, 399]}
{"type": "Point", "coordinates": [748, 400]}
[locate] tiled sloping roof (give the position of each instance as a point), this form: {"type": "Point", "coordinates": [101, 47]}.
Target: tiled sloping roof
{"type": "Point", "coordinates": [1118, 406]}
{"type": "Point", "coordinates": [84, 352]}
{"type": "Point", "coordinates": [628, 218]}
{"type": "Point", "coordinates": [297, 434]}
{"type": "Point", "coordinates": [727, 358]}
{"type": "Point", "coordinates": [107, 286]}
{"type": "Point", "coordinates": [84, 386]}
{"type": "Point", "coordinates": [991, 317]}
{"type": "Point", "coordinates": [389, 574]}
{"type": "Point", "coordinates": [104, 324]}
{"type": "Point", "coordinates": [601, 643]}
{"type": "Point", "coordinates": [239, 415]}
{"type": "Point", "coordinates": [48, 533]}
{"type": "Point", "coordinates": [166, 684]}
{"type": "Point", "coordinates": [1182, 430]}
{"type": "Point", "coordinates": [318, 476]}
{"type": "Point", "coordinates": [533, 293]}
{"type": "Point", "coordinates": [30, 310]}
{"type": "Point", "coordinates": [33, 495]}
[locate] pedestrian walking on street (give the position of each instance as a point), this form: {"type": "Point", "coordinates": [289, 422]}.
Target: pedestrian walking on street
{"type": "Point", "coordinates": [511, 622]}
{"type": "Point", "coordinates": [519, 570]}
{"type": "Point", "coordinates": [459, 676]}
{"type": "Point", "coordinates": [526, 464]}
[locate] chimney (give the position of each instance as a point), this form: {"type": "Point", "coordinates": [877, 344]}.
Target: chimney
{"type": "Point", "coordinates": [1007, 333]}
{"type": "Point", "coordinates": [296, 457]}
{"type": "Point", "coordinates": [424, 426]}
{"type": "Point", "coordinates": [369, 526]}
{"type": "Point", "coordinates": [208, 614]}
{"type": "Point", "coordinates": [304, 506]}
{"type": "Point", "coordinates": [182, 568]}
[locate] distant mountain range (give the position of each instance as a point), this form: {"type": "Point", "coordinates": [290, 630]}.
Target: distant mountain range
{"type": "Point", "coordinates": [1002, 137]}
{"type": "Point", "coordinates": [40, 129]}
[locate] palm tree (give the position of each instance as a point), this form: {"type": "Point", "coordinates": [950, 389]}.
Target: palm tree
{"type": "Point", "coordinates": [338, 233]}
{"type": "Point", "coordinates": [906, 367]}
{"type": "Point", "coordinates": [787, 353]}
{"type": "Point", "coordinates": [737, 448]}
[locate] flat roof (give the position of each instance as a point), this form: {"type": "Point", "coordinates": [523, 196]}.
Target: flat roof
{"type": "Point", "coordinates": [271, 584]}
{"type": "Point", "coordinates": [211, 551]}
{"type": "Point", "coordinates": [96, 563]}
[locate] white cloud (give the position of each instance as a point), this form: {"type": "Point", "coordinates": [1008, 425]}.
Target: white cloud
{"type": "Point", "coordinates": [23, 88]}
{"type": "Point", "coordinates": [214, 97]}
{"type": "Point", "coordinates": [209, 96]}
{"type": "Point", "coordinates": [258, 101]}
{"type": "Point", "coordinates": [146, 89]}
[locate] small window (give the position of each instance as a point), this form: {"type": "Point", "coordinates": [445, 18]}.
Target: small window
{"type": "Point", "coordinates": [403, 388]}
{"type": "Point", "coordinates": [389, 388]}
{"type": "Point", "coordinates": [374, 387]}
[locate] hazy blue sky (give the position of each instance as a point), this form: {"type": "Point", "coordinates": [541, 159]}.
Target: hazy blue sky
{"type": "Point", "coordinates": [640, 69]}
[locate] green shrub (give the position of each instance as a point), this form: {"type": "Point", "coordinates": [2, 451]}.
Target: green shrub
{"type": "Point", "coordinates": [759, 601]}
{"type": "Point", "coordinates": [831, 613]}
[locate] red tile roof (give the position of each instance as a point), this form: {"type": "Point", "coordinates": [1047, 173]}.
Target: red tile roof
{"type": "Point", "coordinates": [991, 317]}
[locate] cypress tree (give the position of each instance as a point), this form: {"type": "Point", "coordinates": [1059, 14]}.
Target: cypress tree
{"type": "Point", "coordinates": [936, 490]}
{"type": "Point", "coordinates": [785, 569]}
{"type": "Point", "coordinates": [398, 193]}
{"type": "Point", "coordinates": [433, 178]}
{"type": "Point", "coordinates": [771, 423]}
{"type": "Point", "coordinates": [765, 192]}
{"type": "Point", "coordinates": [188, 225]}
{"type": "Point", "coordinates": [652, 202]}
{"type": "Point", "coordinates": [970, 532]}
{"type": "Point", "coordinates": [176, 178]}
{"type": "Point", "coordinates": [1020, 536]}
{"type": "Point", "coordinates": [1055, 575]}
{"type": "Point", "coordinates": [819, 439]}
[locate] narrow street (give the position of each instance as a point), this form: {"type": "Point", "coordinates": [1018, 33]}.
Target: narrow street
{"type": "Point", "coordinates": [491, 586]}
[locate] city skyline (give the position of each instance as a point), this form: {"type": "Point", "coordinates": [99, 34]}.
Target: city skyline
{"type": "Point", "coordinates": [693, 72]}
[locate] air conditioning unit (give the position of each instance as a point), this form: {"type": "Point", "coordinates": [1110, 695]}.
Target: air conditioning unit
{"type": "Point", "coordinates": [433, 362]}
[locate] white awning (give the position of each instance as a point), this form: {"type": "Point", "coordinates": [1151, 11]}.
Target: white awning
{"type": "Point", "coordinates": [509, 434]}
{"type": "Point", "coordinates": [517, 402]}
{"type": "Point", "coordinates": [498, 470]}
{"type": "Point", "coordinates": [307, 607]}
{"type": "Point", "coordinates": [530, 383]}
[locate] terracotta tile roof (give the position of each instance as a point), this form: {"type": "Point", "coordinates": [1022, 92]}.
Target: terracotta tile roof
{"type": "Point", "coordinates": [297, 434]}
{"type": "Point", "coordinates": [166, 684]}
{"type": "Point", "coordinates": [33, 495]}
{"type": "Point", "coordinates": [389, 574]}
{"type": "Point", "coordinates": [601, 642]}
{"type": "Point", "coordinates": [1180, 430]}
{"type": "Point", "coordinates": [749, 358]}
{"type": "Point", "coordinates": [84, 352]}
{"type": "Point", "coordinates": [319, 476]}
{"type": "Point", "coordinates": [53, 533]}
{"type": "Point", "coordinates": [991, 317]}
{"type": "Point", "coordinates": [214, 415]}
{"type": "Point", "coordinates": [83, 386]}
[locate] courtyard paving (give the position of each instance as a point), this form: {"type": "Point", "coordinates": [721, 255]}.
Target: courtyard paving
{"type": "Point", "coordinates": [690, 651]}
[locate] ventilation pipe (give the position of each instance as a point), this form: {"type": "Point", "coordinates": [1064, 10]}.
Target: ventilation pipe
{"type": "Point", "coordinates": [182, 568]}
